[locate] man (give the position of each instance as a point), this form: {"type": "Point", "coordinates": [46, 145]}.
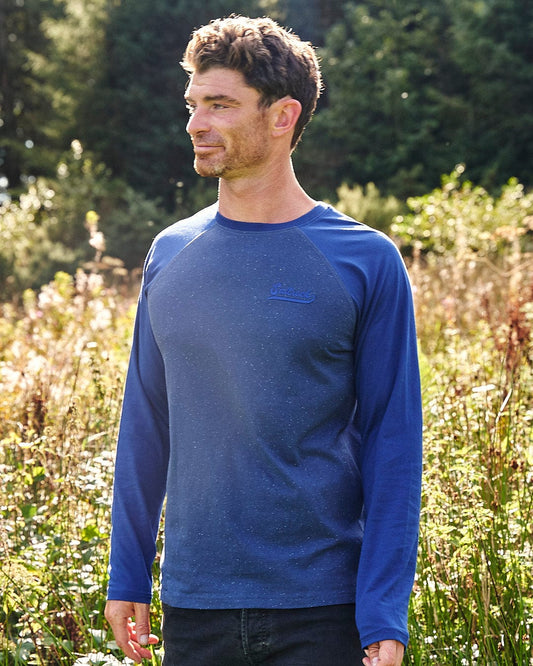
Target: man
{"type": "Point", "coordinates": [272, 396]}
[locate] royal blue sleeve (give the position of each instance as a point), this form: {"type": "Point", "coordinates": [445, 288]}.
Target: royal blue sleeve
{"type": "Point", "coordinates": [389, 420]}
{"type": "Point", "coordinates": [141, 466]}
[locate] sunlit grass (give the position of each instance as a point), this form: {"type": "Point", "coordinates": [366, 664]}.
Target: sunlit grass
{"type": "Point", "coordinates": [62, 361]}
{"type": "Point", "coordinates": [63, 356]}
{"type": "Point", "coordinates": [473, 597]}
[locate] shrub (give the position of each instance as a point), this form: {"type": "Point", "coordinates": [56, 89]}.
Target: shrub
{"type": "Point", "coordinates": [474, 300]}
{"type": "Point", "coordinates": [28, 253]}
{"type": "Point", "coordinates": [63, 357]}
{"type": "Point", "coordinates": [368, 206]}
{"type": "Point", "coordinates": [44, 231]}
{"type": "Point", "coordinates": [62, 362]}
{"type": "Point", "coordinates": [461, 218]}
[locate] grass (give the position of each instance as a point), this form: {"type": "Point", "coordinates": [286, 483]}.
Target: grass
{"type": "Point", "coordinates": [62, 367]}
{"type": "Point", "coordinates": [473, 598]}
{"type": "Point", "coordinates": [63, 354]}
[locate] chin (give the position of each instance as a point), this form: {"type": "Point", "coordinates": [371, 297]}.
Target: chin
{"type": "Point", "coordinates": [209, 170]}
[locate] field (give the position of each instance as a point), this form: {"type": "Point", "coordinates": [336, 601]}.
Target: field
{"type": "Point", "coordinates": [63, 353]}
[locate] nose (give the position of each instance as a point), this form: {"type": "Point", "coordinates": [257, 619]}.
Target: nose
{"type": "Point", "coordinates": [197, 122]}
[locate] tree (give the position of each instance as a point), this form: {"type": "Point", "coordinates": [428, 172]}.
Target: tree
{"type": "Point", "coordinates": [76, 36]}
{"type": "Point", "coordinates": [133, 118]}
{"type": "Point", "coordinates": [310, 19]}
{"type": "Point", "coordinates": [390, 106]}
{"type": "Point", "coordinates": [492, 46]}
{"type": "Point", "coordinates": [26, 145]}
{"type": "Point", "coordinates": [415, 88]}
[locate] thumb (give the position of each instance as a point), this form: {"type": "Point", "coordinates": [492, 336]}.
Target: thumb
{"type": "Point", "coordinates": [372, 655]}
{"type": "Point", "coordinates": [142, 623]}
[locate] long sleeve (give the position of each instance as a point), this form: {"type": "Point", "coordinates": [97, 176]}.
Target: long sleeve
{"type": "Point", "coordinates": [141, 467]}
{"type": "Point", "coordinates": [389, 421]}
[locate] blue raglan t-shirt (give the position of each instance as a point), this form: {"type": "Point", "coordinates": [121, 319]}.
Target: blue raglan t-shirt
{"type": "Point", "coordinates": [273, 398]}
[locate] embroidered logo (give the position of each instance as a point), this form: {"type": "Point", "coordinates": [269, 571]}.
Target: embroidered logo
{"type": "Point", "coordinates": [281, 293]}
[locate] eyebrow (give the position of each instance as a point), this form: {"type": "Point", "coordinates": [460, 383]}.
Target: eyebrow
{"type": "Point", "coordinates": [215, 98]}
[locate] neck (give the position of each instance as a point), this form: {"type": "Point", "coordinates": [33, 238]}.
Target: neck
{"type": "Point", "coordinates": [270, 197]}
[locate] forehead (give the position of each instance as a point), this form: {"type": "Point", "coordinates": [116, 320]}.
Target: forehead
{"type": "Point", "coordinates": [220, 82]}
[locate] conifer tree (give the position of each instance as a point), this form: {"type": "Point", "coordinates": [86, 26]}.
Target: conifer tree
{"type": "Point", "coordinates": [134, 117]}
{"type": "Point", "coordinates": [25, 102]}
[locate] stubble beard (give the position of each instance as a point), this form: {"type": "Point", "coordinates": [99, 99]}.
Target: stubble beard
{"type": "Point", "coordinates": [207, 170]}
{"type": "Point", "coordinates": [239, 158]}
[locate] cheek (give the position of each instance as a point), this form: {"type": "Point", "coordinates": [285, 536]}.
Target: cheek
{"type": "Point", "coordinates": [255, 136]}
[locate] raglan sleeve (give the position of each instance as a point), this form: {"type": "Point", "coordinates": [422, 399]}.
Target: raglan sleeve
{"type": "Point", "coordinates": [389, 420]}
{"type": "Point", "coordinates": [140, 466]}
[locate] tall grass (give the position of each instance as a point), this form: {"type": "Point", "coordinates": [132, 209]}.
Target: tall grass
{"type": "Point", "coordinates": [63, 354]}
{"type": "Point", "coordinates": [473, 600]}
{"type": "Point", "coordinates": [61, 371]}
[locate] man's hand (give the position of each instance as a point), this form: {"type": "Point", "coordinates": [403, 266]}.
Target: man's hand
{"type": "Point", "coordinates": [384, 653]}
{"type": "Point", "coordinates": [130, 636]}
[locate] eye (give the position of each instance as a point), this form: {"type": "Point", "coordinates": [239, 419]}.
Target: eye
{"type": "Point", "coordinates": [190, 108]}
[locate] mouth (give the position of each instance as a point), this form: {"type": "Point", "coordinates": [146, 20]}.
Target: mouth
{"type": "Point", "coordinates": [202, 143]}
{"type": "Point", "coordinates": [205, 152]}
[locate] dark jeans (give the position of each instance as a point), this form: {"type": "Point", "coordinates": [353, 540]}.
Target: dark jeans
{"type": "Point", "coordinates": [323, 636]}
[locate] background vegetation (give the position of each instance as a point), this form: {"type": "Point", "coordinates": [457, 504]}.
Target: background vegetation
{"type": "Point", "coordinates": [63, 354]}
{"type": "Point", "coordinates": [91, 108]}
{"type": "Point", "coordinates": [94, 161]}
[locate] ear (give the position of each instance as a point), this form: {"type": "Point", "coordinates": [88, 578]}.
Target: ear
{"type": "Point", "coordinates": [285, 114]}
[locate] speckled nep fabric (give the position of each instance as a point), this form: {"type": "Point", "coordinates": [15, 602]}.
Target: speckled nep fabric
{"type": "Point", "coordinates": [273, 394]}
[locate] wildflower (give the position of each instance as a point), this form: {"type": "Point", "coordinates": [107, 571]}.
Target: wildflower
{"type": "Point", "coordinates": [97, 241]}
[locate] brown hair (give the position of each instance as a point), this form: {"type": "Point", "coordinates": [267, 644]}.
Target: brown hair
{"type": "Point", "coordinates": [272, 60]}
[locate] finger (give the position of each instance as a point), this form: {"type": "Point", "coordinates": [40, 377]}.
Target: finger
{"type": "Point", "coordinates": [135, 652]}
{"type": "Point", "coordinates": [142, 623]}
{"type": "Point", "coordinates": [130, 647]}
{"type": "Point", "coordinates": [134, 649]}
{"type": "Point", "coordinates": [134, 636]}
{"type": "Point", "coordinates": [139, 652]}
{"type": "Point", "coordinates": [372, 653]}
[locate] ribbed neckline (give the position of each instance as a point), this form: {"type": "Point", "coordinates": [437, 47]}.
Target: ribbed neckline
{"type": "Point", "coordinates": [237, 225]}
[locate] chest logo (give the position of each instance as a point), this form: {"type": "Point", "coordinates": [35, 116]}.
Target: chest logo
{"type": "Point", "coordinates": [279, 292]}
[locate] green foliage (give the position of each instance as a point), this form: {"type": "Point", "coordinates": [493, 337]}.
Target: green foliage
{"type": "Point", "coordinates": [63, 357]}
{"type": "Point", "coordinates": [389, 110]}
{"type": "Point", "coordinates": [127, 218]}
{"type": "Point", "coordinates": [414, 88]}
{"type": "Point", "coordinates": [472, 601]}
{"type": "Point", "coordinates": [310, 19]}
{"type": "Point", "coordinates": [134, 116]}
{"type": "Point", "coordinates": [411, 89]}
{"type": "Point", "coordinates": [368, 206]}
{"type": "Point", "coordinates": [463, 218]}
{"type": "Point", "coordinates": [490, 45]}
{"type": "Point", "coordinates": [76, 35]}
{"type": "Point", "coordinates": [28, 253]}
{"type": "Point", "coordinates": [25, 102]}
{"type": "Point", "coordinates": [473, 595]}
{"type": "Point", "coordinates": [61, 386]}
{"type": "Point", "coordinates": [46, 230]}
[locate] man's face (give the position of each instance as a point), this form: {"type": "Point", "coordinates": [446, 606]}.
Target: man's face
{"type": "Point", "coordinates": [228, 129]}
